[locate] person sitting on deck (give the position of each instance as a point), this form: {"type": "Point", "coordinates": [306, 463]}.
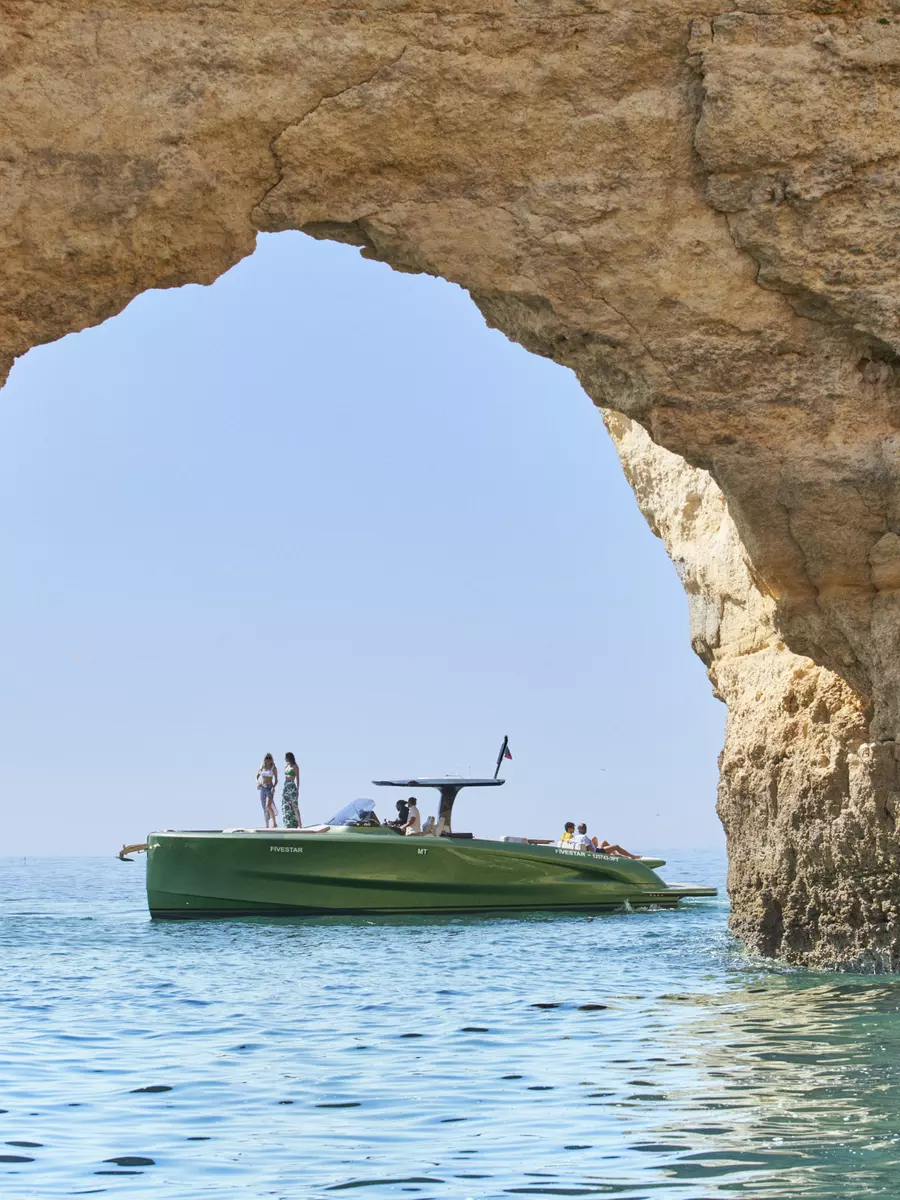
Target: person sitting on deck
{"type": "Point", "coordinates": [413, 819]}
{"type": "Point", "coordinates": [582, 839]}
{"type": "Point", "coordinates": [605, 847]}
{"type": "Point", "coordinates": [567, 841]}
{"type": "Point", "coordinates": [402, 815]}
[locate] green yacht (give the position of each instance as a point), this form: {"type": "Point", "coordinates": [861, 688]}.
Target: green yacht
{"type": "Point", "coordinates": [353, 864]}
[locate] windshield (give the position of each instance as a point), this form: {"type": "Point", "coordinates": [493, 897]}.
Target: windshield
{"type": "Point", "coordinates": [357, 812]}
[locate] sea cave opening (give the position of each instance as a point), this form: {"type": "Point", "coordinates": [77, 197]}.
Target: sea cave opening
{"type": "Point", "coordinates": [319, 505]}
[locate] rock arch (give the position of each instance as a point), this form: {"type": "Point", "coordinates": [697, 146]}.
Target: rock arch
{"type": "Point", "coordinates": [693, 208]}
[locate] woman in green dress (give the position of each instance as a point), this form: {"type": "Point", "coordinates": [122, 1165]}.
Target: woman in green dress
{"type": "Point", "coordinates": [290, 793]}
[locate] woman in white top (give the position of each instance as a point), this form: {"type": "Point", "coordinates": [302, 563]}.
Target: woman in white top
{"type": "Point", "coordinates": [266, 783]}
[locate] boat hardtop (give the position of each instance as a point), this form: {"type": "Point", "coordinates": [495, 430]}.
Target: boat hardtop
{"type": "Point", "coordinates": [449, 787]}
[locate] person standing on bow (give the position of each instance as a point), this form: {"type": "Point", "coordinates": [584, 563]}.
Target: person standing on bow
{"type": "Point", "coordinates": [266, 782]}
{"type": "Point", "coordinates": [290, 793]}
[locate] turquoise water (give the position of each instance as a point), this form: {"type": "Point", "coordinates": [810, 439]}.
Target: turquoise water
{"type": "Point", "coordinates": [631, 1055]}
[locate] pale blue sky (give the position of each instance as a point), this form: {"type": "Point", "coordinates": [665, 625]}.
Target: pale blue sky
{"type": "Point", "coordinates": [321, 507]}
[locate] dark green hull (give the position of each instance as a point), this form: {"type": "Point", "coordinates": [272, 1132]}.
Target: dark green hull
{"type": "Point", "coordinates": [350, 870]}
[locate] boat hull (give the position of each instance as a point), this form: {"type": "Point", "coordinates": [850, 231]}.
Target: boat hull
{"type": "Point", "coordinates": [345, 870]}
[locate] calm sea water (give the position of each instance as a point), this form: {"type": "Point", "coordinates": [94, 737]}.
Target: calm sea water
{"type": "Point", "coordinates": [628, 1055]}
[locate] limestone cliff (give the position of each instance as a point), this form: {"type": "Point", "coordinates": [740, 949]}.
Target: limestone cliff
{"type": "Point", "coordinates": [694, 208]}
{"type": "Point", "coordinates": [807, 803]}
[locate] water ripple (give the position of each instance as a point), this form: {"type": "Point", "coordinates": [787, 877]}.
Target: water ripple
{"type": "Point", "coordinates": [632, 1055]}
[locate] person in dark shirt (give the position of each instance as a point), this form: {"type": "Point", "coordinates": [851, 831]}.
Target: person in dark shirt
{"type": "Point", "coordinates": [402, 815]}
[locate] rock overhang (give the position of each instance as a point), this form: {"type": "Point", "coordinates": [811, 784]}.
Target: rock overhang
{"type": "Point", "coordinates": [691, 208]}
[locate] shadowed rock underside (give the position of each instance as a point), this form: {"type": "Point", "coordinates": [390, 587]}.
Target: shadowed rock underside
{"type": "Point", "coordinates": [694, 208]}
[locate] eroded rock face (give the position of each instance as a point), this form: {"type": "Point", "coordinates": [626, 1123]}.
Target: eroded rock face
{"type": "Point", "coordinates": [807, 802]}
{"type": "Point", "coordinates": [693, 208]}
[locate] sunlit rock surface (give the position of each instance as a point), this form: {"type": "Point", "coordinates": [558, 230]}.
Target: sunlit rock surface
{"type": "Point", "coordinates": [807, 803]}
{"type": "Point", "coordinates": [694, 208]}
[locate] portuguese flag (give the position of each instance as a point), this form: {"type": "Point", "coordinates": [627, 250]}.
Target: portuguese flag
{"type": "Point", "coordinates": [504, 753]}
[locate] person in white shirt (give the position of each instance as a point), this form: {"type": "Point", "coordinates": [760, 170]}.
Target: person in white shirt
{"type": "Point", "coordinates": [413, 819]}
{"type": "Point", "coordinates": [581, 840]}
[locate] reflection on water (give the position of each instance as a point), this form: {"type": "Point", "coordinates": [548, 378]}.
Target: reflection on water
{"type": "Point", "coordinates": [627, 1055]}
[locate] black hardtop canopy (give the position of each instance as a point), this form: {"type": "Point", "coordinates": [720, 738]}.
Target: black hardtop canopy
{"type": "Point", "coordinates": [449, 786]}
{"type": "Point", "coordinates": [446, 781]}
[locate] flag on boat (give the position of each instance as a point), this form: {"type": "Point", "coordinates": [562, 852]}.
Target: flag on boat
{"type": "Point", "coordinates": [504, 753]}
